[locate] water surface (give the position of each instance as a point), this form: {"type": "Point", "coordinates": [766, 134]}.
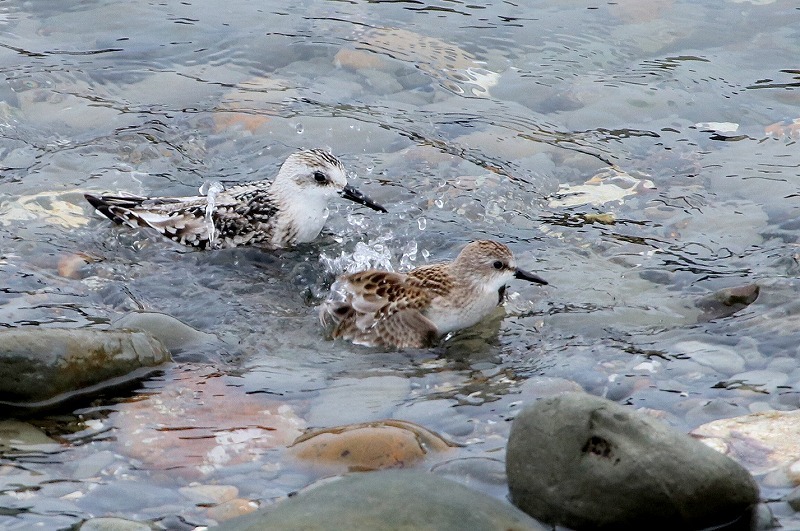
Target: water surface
{"type": "Point", "coordinates": [638, 155]}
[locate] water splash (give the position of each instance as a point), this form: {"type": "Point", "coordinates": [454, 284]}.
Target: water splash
{"type": "Point", "coordinates": [409, 256]}
{"type": "Point", "coordinates": [376, 254]}
{"type": "Point", "coordinates": [211, 189]}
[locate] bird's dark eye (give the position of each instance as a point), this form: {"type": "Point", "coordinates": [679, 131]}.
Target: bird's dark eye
{"type": "Point", "coordinates": [498, 265]}
{"type": "Point", "coordinates": [320, 177]}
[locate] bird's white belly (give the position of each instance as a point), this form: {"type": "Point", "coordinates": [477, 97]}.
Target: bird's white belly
{"type": "Point", "coordinates": [457, 316]}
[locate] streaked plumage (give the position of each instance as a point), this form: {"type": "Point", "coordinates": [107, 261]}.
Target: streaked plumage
{"type": "Point", "coordinates": [414, 309]}
{"type": "Point", "coordinates": [288, 210]}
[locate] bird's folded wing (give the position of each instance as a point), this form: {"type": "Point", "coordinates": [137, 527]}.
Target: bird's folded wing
{"type": "Point", "coordinates": [379, 307]}
{"type": "Point", "coordinates": [405, 329]}
{"type": "Point", "coordinates": [376, 295]}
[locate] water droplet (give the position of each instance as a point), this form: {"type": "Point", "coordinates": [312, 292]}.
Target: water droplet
{"type": "Point", "coordinates": [356, 220]}
{"type": "Point", "coordinates": [299, 129]}
{"type": "Point", "coordinates": [409, 255]}
{"type": "Point", "coordinates": [439, 203]}
{"type": "Point", "coordinates": [422, 222]}
{"type": "Point", "coordinates": [370, 167]}
{"type": "Point", "coordinates": [425, 254]}
{"type": "Point", "coordinates": [211, 189]}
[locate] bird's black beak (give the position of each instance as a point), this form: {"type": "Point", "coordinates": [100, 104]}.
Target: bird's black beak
{"type": "Point", "coordinates": [530, 277]}
{"type": "Point", "coordinates": [348, 192]}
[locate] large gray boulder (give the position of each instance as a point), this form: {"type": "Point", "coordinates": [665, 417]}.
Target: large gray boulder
{"type": "Point", "coordinates": [587, 463]}
{"type": "Point", "coordinates": [388, 500]}
{"type": "Point", "coordinates": [42, 366]}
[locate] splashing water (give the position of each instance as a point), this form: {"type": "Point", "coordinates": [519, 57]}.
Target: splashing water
{"type": "Point", "coordinates": [373, 255]}
{"type": "Point", "coordinates": [211, 191]}
{"type": "Point", "coordinates": [409, 256]}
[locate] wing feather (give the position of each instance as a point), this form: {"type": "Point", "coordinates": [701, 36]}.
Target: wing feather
{"type": "Point", "coordinates": [242, 215]}
{"type": "Point", "coordinates": [379, 308]}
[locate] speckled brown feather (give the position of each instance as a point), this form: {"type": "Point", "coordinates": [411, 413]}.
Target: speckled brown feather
{"type": "Point", "coordinates": [387, 306]}
{"type": "Point", "coordinates": [412, 310]}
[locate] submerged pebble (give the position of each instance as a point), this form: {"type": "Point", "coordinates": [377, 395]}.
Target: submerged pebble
{"type": "Point", "coordinates": [369, 446]}
{"type": "Point", "coordinates": [762, 442]}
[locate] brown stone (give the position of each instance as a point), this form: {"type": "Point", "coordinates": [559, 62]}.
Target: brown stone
{"type": "Point", "coordinates": [369, 446]}
{"type": "Point", "coordinates": [231, 509]}
{"type": "Point", "coordinates": [357, 59]}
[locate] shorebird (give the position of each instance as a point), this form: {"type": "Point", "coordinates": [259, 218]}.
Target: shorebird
{"type": "Point", "coordinates": [288, 210]}
{"type": "Point", "coordinates": [414, 309]}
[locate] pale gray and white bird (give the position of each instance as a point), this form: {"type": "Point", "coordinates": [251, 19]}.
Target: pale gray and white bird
{"type": "Point", "coordinates": [415, 309]}
{"type": "Point", "coordinates": [290, 209]}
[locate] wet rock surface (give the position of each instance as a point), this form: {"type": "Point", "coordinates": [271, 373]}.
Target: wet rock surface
{"type": "Point", "coordinates": [113, 524]}
{"type": "Point", "coordinates": [174, 334]}
{"type": "Point", "coordinates": [44, 366]}
{"type": "Point", "coordinates": [587, 463]}
{"type": "Point", "coordinates": [727, 301]}
{"type": "Point", "coordinates": [368, 446]}
{"type": "Point", "coordinates": [387, 500]}
{"type": "Point", "coordinates": [764, 443]}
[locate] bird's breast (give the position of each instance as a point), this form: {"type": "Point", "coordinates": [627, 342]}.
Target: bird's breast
{"type": "Point", "coordinates": [461, 310]}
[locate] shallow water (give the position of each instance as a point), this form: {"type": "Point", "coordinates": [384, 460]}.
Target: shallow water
{"type": "Point", "coordinates": [467, 122]}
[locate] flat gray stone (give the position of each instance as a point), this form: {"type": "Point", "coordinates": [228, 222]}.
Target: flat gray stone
{"type": "Point", "coordinates": [18, 435]}
{"type": "Point", "coordinates": [113, 524]}
{"type": "Point", "coordinates": [173, 333]}
{"type": "Point", "coordinates": [588, 463]}
{"type": "Point", "coordinates": [765, 380]}
{"type": "Point", "coordinates": [719, 358]}
{"type": "Point", "coordinates": [46, 365]}
{"type": "Point", "coordinates": [388, 500]}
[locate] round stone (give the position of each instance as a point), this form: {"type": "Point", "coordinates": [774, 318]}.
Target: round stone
{"type": "Point", "coordinates": [388, 500]}
{"type": "Point", "coordinates": [588, 463]}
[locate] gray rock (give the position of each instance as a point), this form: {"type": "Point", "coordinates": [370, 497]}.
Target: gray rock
{"type": "Point", "coordinates": [174, 334]}
{"type": "Point", "coordinates": [93, 464]}
{"type": "Point", "coordinates": [19, 435]}
{"type": "Point", "coordinates": [713, 409]}
{"type": "Point", "coordinates": [764, 380]}
{"type": "Point", "coordinates": [783, 364]}
{"type": "Point", "coordinates": [793, 499]}
{"type": "Point", "coordinates": [48, 365]}
{"type": "Point", "coordinates": [719, 358]}
{"type": "Point", "coordinates": [727, 301]}
{"type": "Point", "coordinates": [113, 524]}
{"type": "Point", "coordinates": [587, 463]}
{"type": "Point", "coordinates": [387, 500]}
{"type": "Point", "coordinates": [123, 497]}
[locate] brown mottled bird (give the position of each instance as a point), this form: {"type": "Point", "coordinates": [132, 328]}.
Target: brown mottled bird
{"type": "Point", "coordinates": [288, 210]}
{"type": "Point", "coordinates": [414, 309]}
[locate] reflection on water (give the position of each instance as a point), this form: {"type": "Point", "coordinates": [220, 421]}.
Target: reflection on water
{"type": "Point", "coordinates": [640, 155]}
